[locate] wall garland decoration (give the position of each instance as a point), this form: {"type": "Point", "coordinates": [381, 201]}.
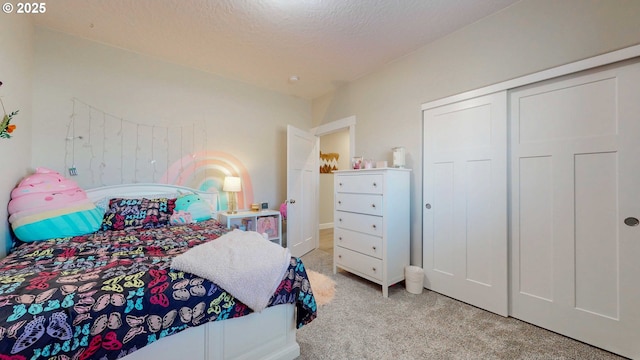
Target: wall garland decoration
{"type": "Point", "coordinates": [105, 149]}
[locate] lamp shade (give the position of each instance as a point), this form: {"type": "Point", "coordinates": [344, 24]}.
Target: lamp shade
{"type": "Point", "coordinates": [232, 184]}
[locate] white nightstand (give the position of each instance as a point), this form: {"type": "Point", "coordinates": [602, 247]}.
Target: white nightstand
{"type": "Point", "coordinates": [264, 221]}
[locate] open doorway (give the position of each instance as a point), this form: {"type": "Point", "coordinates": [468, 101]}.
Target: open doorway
{"type": "Point", "coordinates": [331, 146]}
{"type": "Point", "coordinates": [337, 137]}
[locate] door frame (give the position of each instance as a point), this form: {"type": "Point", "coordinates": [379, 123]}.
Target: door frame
{"type": "Point", "coordinates": [348, 123]}
{"type": "Point", "coordinates": [339, 125]}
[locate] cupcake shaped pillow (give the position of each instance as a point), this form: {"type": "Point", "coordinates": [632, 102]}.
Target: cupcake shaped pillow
{"type": "Point", "coordinates": [45, 205]}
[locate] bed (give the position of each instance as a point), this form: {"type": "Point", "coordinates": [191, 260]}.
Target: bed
{"type": "Point", "coordinates": [112, 294]}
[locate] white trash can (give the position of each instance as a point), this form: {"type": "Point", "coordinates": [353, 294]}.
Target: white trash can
{"type": "Point", "coordinates": [414, 279]}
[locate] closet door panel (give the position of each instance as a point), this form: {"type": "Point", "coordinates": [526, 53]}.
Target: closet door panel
{"type": "Point", "coordinates": [596, 189]}
{"type": "Point", "coordinates": [459, 130]}
{"type": "Point", "coordinates": [534, 251]}
{"type": "Point", "coordinates": [575, 170]}
{"type": "Point", "coordinates": [464, 215]}
{"type": "Point", "coordinates": [629, 209]}
{"type": "Point", "coordinates": [441, 255]}
{"type": "Point", "coordinates": [552, 115]}
{"type": "Point", "coordinates": [479, 239]}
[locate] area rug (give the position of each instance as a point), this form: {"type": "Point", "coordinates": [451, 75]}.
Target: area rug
{"type": "Point", "coordinates": [324, 289]}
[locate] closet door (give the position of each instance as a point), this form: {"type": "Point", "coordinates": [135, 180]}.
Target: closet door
{"type": "Point", "coordinates": [575, 173]}
{"type": "Point", "coordinates": [465, 201]}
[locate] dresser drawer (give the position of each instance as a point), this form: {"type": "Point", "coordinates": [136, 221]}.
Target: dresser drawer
{"type": "Point", "coordinates": [360, 203]}
{"type": "Point", "coordinates": [362, 243]}
{"type": "Point", "coordinates": [367, 265]}
{"type": "Point", "coordinates": [367, 224]}
{"type": "Point", "coordinates": [363, 184]}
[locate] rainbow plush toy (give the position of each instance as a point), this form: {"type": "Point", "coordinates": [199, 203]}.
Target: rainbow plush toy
{"type": "Point", "coordinates": [45, 205]}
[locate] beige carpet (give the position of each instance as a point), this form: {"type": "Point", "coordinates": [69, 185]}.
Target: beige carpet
{"type": "Point", "coordinates": [360, 324]}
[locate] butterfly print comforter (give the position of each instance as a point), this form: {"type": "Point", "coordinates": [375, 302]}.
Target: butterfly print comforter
{"type": "Point", "coordinates": [105, 295]}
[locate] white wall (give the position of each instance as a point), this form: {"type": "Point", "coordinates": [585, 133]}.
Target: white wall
{"type": "Point", "coordinates": [239, 119]}
{"type": "Point", "coordinates": [337, 142]}
{"type": "Point", "coordinates": [530, 36]}
{"type": "Point", "coordinates": [16, 53]}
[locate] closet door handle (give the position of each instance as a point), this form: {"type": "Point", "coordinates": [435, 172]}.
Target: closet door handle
{"type": "Point", "coordinates": [631, 221]}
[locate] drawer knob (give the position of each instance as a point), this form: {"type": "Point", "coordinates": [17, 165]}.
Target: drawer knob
{"type": "Point", "coordinates": [374, 226]}
{"type": "Point", "coordinates": [339, 184]}
{"type": "Point", "coordinates": [340, 238]}
{"type": "Point", "coordinates": [374, 248]}
{"type": "Point", "coordinates": [373, 206]}
{"type": "Point", "coordinates": [339, 202]}
{"type": "Point", "coordinates": [375, 184]}
{"type": "Point", "coordinates": [339, 256]}
{"type": "Point", "coordinates": [374, 269]}
{"type": "Point", "coordinates": [340, 220]}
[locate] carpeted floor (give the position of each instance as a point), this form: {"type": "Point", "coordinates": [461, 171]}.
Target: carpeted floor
{"type": "Point", "coordinates": [360, 324]}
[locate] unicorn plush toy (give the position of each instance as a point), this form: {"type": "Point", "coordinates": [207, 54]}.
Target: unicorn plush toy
{"type": "Point", "coordinates": [194, 205]}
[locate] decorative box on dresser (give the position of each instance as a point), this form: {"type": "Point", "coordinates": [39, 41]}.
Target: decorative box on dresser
{"type": "Point", "coordinates": [371, 224]}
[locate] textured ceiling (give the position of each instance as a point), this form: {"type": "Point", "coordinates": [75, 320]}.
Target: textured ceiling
{"type": "Point", "coordinates": [264, 42]}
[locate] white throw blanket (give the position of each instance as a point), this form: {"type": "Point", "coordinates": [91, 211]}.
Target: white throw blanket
{"type": "Point", "coordinates": [241, 262]}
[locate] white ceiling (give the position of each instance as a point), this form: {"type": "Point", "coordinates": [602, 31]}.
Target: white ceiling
{"type": "Point", "coordinates": [264, 42]}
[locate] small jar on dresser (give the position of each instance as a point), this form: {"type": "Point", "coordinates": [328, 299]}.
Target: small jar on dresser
{"type": "Point", "coordinates": [371, 224]}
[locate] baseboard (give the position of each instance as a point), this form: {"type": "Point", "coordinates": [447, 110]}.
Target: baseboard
{"type": "Point", "coordinates": [290, 351]}
{"type": "Point", "coordinates": [325, 226]}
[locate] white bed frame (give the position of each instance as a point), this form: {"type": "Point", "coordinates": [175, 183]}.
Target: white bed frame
{"type": "Point", "coordinates": [270, 334]}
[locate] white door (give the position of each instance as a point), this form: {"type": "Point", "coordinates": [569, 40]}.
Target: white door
{"type": "Point", "coordinates": [575, 180]}
{"type": "Point", "coordinates": [465, 201]}
{"type": "Point", "coordinates": [302, 190]}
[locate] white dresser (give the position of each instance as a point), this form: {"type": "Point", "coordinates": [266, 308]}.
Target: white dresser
{"type": "Point", "coordinates": [371, 224]}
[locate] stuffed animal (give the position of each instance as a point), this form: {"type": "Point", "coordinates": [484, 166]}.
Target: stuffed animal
{"type": "Point", "coordinates": [181, 217]}
{"type": "Point", "coordinates": [283, 210]}
{"type": "Point", "coordinates": [196, 206]}
{"type": "Point", "coordinates": [45, 205]}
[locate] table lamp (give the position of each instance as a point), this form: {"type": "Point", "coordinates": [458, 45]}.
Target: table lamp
{"type": "Point", "coordinates": [232, 186]}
